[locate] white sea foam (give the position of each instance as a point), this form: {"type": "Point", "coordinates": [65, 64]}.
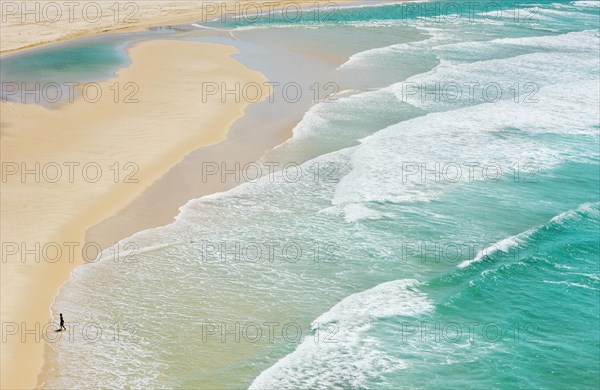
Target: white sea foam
{"type": "Point", "coordinates": [496, 79]}
{"type": "Point", "coordinates": [590, 276]}
{"type": "Point", "coordinates": [508, 243]}
{"type": "Point", "coordinates": [368, 58]}
{"type": "Point", "coordinates": [576, 214]}
{"type": "Point", "coordinates": [572, 284]}
{"type": "Point", "coordinates": [379, 172]}
{"type": "Point", "coordinates": [472, 50]}
{"type": "Point", "coordinates": [503, 246]}
{"type": "Point", "coordinates": [350, 357]}
{"type": "Point", "coordinates": [594, 4]}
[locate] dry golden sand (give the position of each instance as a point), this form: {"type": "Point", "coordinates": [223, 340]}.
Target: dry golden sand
{"type": "Point", "coordinates": [169, 121]}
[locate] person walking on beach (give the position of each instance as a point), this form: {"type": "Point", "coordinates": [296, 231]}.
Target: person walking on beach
{"type": "Point", "coordinates": [62, 323]}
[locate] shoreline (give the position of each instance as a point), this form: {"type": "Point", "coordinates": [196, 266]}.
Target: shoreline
{"type": "Point", "coordinates": [83, 227]}
{"type": "Point", "coordinates": [155, 14]}
{"type": "Point", "coordinates": [135, 132]}
{"type": "Point", "coordinates": [250, 138]}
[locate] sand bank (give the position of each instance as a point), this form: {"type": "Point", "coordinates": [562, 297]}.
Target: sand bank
{"type": "Point", "coordinates": [107, 153]}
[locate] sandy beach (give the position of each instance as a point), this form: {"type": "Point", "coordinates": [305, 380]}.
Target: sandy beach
{"type": "Point", "coordinates": [47, 24]}
{"type": "Point", "coordinates": [106, 154]}
{"type": "Point", "coordinates": [168, 122]}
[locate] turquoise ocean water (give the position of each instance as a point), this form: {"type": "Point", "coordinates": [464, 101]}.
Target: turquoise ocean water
{"type": "Point", "coordinates": [439, 237]}
{"type": "Point", "coordinates": [47, 75]}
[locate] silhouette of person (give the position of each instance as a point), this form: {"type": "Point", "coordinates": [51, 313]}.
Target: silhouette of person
{"type": "Point", "coordinates": [62, 323]}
